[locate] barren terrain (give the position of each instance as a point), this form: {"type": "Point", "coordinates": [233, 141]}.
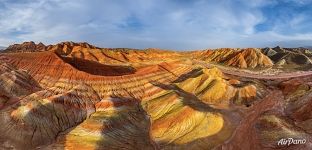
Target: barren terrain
{"type": "Point", "coordinates": [79, 96]}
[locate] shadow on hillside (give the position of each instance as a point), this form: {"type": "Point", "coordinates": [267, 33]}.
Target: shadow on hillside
{"type": "Point", "coordinates": [192, 74]}
{"type": "Point", "coordinates": [128, 128]}
{"type": "Point", "coordinates": [95, 68]}
{"type": "Point", "coordinates": [188, 99]}
{"type": "Point", "coordinates": [10, 100]}
{"type": "Point", "coordinates": [38, 120]}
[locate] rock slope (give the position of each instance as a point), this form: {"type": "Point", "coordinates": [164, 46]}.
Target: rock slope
{"type": "Point", "coordinates": [79, 98]}
{"type": "Point", "coordinates": [245, 58]}
{"type": "Point", "coordinates": [26, 47]}
{"type": "Point", "coordinates": [292, 58]}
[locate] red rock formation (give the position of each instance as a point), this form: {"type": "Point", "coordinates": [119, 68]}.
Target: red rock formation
{"type": "Point", "coordinates": [78, 96]}
{"type": "Point", "coordinates": [237, 61]}
{"type": "Point", "coordinates": [25, 47]}
{"type": "Point", "coordinates": [245, 58]}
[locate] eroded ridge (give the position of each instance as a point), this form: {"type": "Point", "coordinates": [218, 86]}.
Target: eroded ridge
{"type": "Point", "coordinates": [78, 96]}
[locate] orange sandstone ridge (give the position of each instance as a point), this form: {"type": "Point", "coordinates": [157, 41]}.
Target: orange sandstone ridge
{"type": "Point", "coordinates": [78, 96]}
{"type": "Point", "coordinates": [245, 58]}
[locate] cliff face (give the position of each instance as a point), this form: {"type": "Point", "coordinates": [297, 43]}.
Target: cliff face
{"type": "Point", "coordinates": [78, 96]}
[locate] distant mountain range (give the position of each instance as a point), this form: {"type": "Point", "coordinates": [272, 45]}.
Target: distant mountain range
{"type": "Point", "coordinates": [309, 47]}
{"type": "Point", "coordinates": [2, 47]}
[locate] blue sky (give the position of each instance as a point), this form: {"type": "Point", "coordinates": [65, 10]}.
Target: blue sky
{"type": "Point", "coordinates": [167, 24]}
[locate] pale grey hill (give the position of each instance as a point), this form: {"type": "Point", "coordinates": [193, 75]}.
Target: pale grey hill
{"type": "Point", "coordinates": [2, 47]}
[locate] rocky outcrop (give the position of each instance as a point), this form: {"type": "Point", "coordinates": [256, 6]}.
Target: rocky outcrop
{"type": "Point", "coordinates": [290, 58]}
{"type": "Point", "coordinates": [269, 51]}
{"type": "Point", "coordinates": [25, 47]}
{"type": "Point", "coordinates": [245, 58]}
{"type": "Point", "coordinates": [79, 98]}
{"type": "Point", "coordinates": [114, 56]}
{"type": "Point", "coordinates": [49, 96]}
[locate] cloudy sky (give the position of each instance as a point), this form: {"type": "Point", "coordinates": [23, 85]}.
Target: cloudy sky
{"type": "Point", "coordinates": [169, 24]}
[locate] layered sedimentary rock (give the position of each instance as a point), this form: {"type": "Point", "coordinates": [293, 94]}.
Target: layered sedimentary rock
{"type": "Point", "coordinates": [241, 58]}
{"type": "Point", "coordinates": [65, 96]}
{"type": "Point", "coordinates": [110, 55]}
{"type": "Point", "coordinates": [245, 58]}
{"type": "Point", "coordinates": [78, 96]}
{"type": "Point", "coordinates": [290, 58]}
{"type": "Point", "coordinates": [26, 47]}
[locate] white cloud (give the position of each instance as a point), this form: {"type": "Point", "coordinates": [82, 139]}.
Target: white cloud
{"type": "Point", "coordinates": [146, 23]}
